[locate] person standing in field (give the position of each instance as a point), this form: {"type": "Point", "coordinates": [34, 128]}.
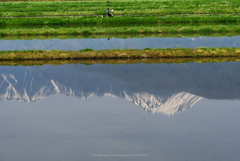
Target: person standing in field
{"type": "Point", "coordinates": [108, 13]}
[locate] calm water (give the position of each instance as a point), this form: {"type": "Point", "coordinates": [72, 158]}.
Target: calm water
{"type": "Point", "coordinates": [119, 43]}
{"type": "Point", "coordinates": [120, 112]}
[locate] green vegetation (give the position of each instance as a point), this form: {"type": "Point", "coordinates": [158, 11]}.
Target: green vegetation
{"type": "Point", "coordinates": [117, 20]}
{"type": "Point", "coordinates": [161, 17]}
{"type": "Point", "coordinates": [120, 7]}
{"type": "Point", "coordinates": [82, 18]}
{"type": "Point", "coordinates": [119, 61]}
{"type": "Point", "coordinates": [122, 36]}
{"type": "Point", "coordinates": [119, 54]}
{"type": "Point", "coordinates": [102, 30]}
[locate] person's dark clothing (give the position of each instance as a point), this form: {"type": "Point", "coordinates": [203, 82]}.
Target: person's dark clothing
{"type": "Point", "coordinates": [108, 13]}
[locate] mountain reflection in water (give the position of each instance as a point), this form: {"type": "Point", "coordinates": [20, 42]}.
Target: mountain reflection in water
{"type": "Point", "coordinates": [166, 88]}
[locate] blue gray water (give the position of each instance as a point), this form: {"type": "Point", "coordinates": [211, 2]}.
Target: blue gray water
{"type": "Point", "coordinates": [113, 43]}
{"type": "Point", "coordinates": [136, 112]}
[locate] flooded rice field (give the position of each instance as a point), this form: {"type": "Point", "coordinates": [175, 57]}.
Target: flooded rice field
{"type": "Point", "coordinates": [109, 42]}
{"type": "Point", "coordinates": [187, 111]}
{"type": "Point", "coordinates": [153, 111]}
{"type": "Point", "coordinates": [120, 105]}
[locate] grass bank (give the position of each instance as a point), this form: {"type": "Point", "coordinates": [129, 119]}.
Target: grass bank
{"type": "Point", "coordinates": [121, 36]}
{"type": "Point", "coordinates": [85, 30]}
{"type": "Point", "coordinates": [30, 21]}
{"type": "Point", "coordinates": [120, 7]}
{"type": "Point", "coordinates": [119, 61]}
{"type": "Point", "coordinates": [120, 54]}
{"type": "Point", "coordinates": [101, 11]}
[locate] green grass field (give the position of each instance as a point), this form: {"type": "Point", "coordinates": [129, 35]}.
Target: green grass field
{"type": "Point", "coordinates": [131, 17]}
{"type": "Point", "coordinates": [129, 12]}
{"type": "Point", "coordinates": [120, 7]}
{"type": "Point", "coordinates": [121, 29]}
{"type": "Point", "coordinates": [117, 20]}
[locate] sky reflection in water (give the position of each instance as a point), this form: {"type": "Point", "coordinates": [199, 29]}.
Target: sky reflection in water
{"type": "Point", "coordinates": [113, 43]}
{"type": "Point", "coordinates": [75, 112]}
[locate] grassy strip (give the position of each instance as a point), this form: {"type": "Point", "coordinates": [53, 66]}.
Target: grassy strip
{"type": "Point", "coordinates": [117, 20]}
{"type": "Point", "coordinates": [47, 1]}
{"type": "Point", "coordinates": [124, 3]}
{"type": "Point", "coordinates": [44, 0]}
{"type": "Point", "coordinates": [118, 61]}
{"type": "Point", "coordinates": [94, 14]}
{"type": "Point", "coordinates": [121, 30]}
{"type": "Point", "coordinates": [125, 11]}
{"type": "Point", "coordinates": [121, 36]}
{"type": "Point", "coordinates": [120, 54]}
{"type": "Point", "coordinates": [102, 26]}
{"type": "Point", "coordinates": [123, 7]}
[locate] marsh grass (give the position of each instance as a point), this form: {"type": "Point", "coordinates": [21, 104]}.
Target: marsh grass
{"type": "Point", "coordinates": [120, 54]}
{"type": "Point", "coordinates": [122, 36]}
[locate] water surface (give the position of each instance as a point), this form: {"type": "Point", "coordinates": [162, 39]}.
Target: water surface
{"type": "Point", "coordinates": [111, 112]}
{"type": "Point", "coordinates": [120, 43]}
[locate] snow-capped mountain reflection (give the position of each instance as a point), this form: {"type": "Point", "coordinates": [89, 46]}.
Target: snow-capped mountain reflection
{"type": "Point", "coordinates": [26, 90]}
{"type": "Point", "coordinates": [165, 88]}
{"type": "Point", "coordinates": [170, 105]}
